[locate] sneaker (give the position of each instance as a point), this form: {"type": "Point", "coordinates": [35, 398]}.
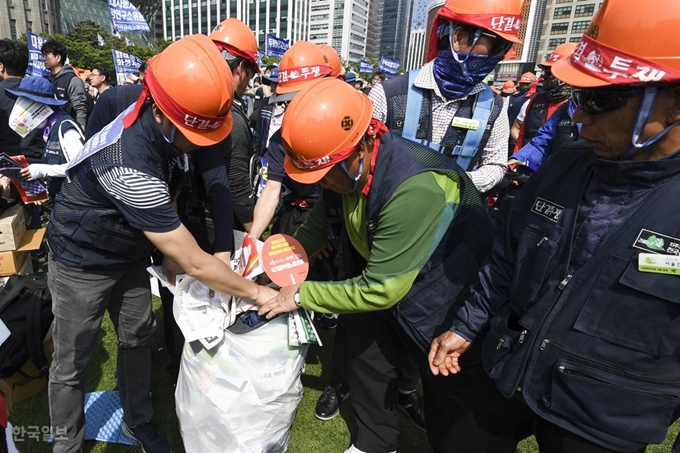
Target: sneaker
{"type": "Point", "coordinates": [329, 321]}
{"type": "Point", "coordinates": [412, 405]}
{"type": "Point", "coordinates": [328, 404]}
{"type": "Point", "coordinates": [148, 437]}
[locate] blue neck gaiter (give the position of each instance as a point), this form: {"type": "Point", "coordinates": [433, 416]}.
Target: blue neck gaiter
{"type": "Point", "coordinates": [456, 79]}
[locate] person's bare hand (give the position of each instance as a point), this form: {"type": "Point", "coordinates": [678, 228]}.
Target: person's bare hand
{"type": "Point", "coordinates": [283, 302]}
{"type": "Point", "coordinates": [25, 173]}
{"type": "Point", "coordinates": [5, 185]}
{"type": "Point", "coordinates": [445, 351]}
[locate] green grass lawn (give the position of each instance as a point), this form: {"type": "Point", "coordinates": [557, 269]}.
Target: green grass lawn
{"type": "Point", "coordinates": [309, 435]}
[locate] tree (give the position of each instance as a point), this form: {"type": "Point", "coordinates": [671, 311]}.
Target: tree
{"type": "Point", "coordinates": [86, 31]}
{"type": "Point", "coordinates": [267, 60]}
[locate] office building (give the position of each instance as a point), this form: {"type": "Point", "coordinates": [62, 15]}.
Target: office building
{"type": "Point", "coordinates": [342, 24]}
{"type": "Point", "coordinates": [565, 21]}
{"type": "Point", "coordinates": [37, 16]}
{"type": "Point", "coordinates": [285, 19]}
{"type": "Point", "coordinates": [391, 22]}
{"type": "Point", "coordinates": [417, 47]}
{"type": "Point", "coordinates": [418, 41]}
{"type": "Point", "coordinates": [372, 30]}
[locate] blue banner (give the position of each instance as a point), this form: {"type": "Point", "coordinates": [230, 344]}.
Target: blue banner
{"type": "Point", "coordinates": [36, 65]}
{"type": "Point", "coordinates": [365, 66]}
{"type": "Point", "coordinates": [275, 47]}
{"type": "Point", "coordinates": [126, 17]}
{"type": "Point", "coordinates": [260, 54]}
{"type": "Point", "coordinates": [125, 64]}
{"type": "Point", "coordinates": [388, 66]}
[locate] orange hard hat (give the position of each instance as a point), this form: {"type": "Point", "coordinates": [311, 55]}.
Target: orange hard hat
{"type": "Point", "coordinates": [236, 38]}
{"type": "Point", "coordinates": [527, 77]}
{"type": "Point", "coordinates": [560, 53]}
{"type": "Point", "coordinates": [626, 43]}
{"type": "Point", "coordinates": [334, 60]}
{"type": "Point", "coordinates": [322, 126]}
{"type": "Point", "coordinates": [502, 17]}
{"type": "Point", "coordinates": [202, 115]}
{"type": "Point", "coordinates": [302, 62]}
{"type": "Point", "coordinates": [508, 87]}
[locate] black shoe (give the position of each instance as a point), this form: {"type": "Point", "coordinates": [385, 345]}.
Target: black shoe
{"type": "Point", "coordinates": [328, 404]}
{"type": "Point", "coordinates": [412, 405]}
{"type": "Point", "coordinates": [148, 437]}
{"type": "Point", "coordinates": [329, 321]}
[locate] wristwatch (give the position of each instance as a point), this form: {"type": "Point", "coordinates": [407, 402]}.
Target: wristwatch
{"type": "Point", "coordinates": [296, 298]}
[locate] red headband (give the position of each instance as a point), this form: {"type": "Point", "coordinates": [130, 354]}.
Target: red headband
{"type": "Point", "coordinates": [375, 127]}
{"type": "Point", "coordinates": [250, 56]}
{"type": "Point", "coordinates": [618, 67]}
{"type": "Point", "coordinates": [501, 23]}
{"type": "Point", "coordinates": [302, 73]}
{"type": "Point", "coordinates": [171, 108]}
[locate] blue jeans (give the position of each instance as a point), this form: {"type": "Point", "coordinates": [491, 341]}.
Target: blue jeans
{"type": "Point", "coordinates": [79, 300]}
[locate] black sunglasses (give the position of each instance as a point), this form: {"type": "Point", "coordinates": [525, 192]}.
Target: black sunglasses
{"type": "Point", "coordinates": [500, 45]}
{"type": "Point", "coordinates": [597, 102]}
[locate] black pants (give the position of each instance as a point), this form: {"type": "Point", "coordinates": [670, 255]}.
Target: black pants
{"type": "Point", "coordinates": [490, 423]}
{"type": "Point", "coordinates": [408, 373]}
{"type": "Point", "coordinates": [375, 347]}
{"type": "Point", "coordinates": [172, 334]}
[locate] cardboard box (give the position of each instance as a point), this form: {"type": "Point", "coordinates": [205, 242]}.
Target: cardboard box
{"type": "Point", "coordinates": [12, 228]}
{"type": "Point", "coordinates": [22, 387]}
{"type": "Point", "coordinates": [14, 262]}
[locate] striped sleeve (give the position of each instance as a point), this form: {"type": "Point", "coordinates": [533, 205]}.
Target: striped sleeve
{"type": "Point", "coordinates": [133, 187]}
{"type": "Point", "coordinates": [143, 199]}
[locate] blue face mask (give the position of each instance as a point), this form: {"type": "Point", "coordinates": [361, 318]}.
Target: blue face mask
{"type": "Point", "coordinates": [456, 77]}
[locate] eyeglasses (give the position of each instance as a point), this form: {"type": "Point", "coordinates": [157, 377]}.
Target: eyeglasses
{"type": "Point", "coordinates": [598, 102]}
{"type": "Point", "coordinates": [95, 75]}
{"type": "Point", "coordinates": [499, 45]}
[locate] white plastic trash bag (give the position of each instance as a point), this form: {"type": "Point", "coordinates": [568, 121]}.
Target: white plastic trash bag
{"type": "Point", "coordinates": [241, 395]}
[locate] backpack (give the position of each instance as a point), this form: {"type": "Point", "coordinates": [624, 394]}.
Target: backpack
{"type": "Point", "coordinates": [26, 310]}
{"type": "Point", "coordinates": [61, 86]}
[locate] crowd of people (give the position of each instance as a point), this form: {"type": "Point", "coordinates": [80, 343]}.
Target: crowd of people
{"type": "Point", "coordinates": [510, 248]}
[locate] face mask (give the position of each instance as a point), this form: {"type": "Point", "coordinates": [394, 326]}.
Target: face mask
{"type": "Point", "coordinates": [559, 93]}
{"type": "Point", "coordinates": [550, 82]}
{"type": "Point", "coordinates": [456, 78]}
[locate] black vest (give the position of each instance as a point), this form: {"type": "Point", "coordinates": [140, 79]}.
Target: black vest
{"type": "Point", "coordinates": [426, 310]}
{"type": "Point", "coordinates": [86, 230]}
{"type": "Point", "coordinates": [536, 115]}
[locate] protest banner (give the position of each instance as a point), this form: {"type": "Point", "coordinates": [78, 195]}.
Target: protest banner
{"type": "Point", "coordinates": [126, 17]}
{"type": "Point", "coordinates": [388, 66]}
{"type": "Point", "coordinates": [36, 64]}
{"type": "Point", "coordinates": [275, 47]}
{"type": "Point", "coordinates": [125, 64]}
